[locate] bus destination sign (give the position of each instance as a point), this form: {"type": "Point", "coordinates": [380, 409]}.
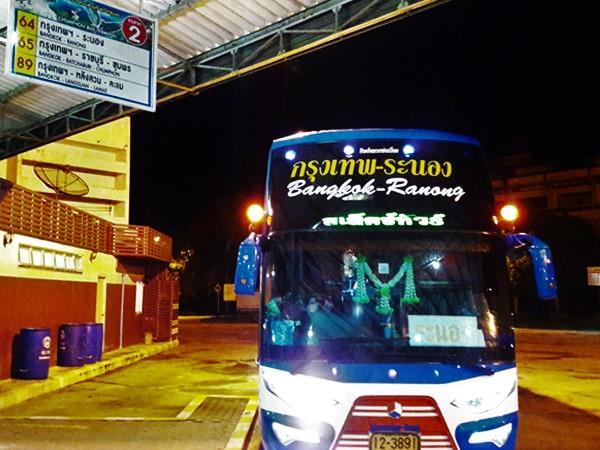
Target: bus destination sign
{"type": "Point", "coordinates": [84, 46]}
{"type": "Point", "coordinates": [379, 183]}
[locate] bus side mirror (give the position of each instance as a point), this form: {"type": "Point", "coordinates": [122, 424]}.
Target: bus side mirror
{"type": "Point", "coordinates": [246, 269]}
{"type": "Point", "coordinates": [541, 258]}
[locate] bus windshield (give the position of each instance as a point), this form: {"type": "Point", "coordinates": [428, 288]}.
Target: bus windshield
{"type": "Point", "coordinates": [381, 296]}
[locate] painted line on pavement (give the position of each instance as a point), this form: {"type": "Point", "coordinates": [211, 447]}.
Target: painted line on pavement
{"type": "Point", "coordinates": [191, 407]}
{"type": "Point", "coordinates": [247, 397]}
{"type": "Point", "coordinates": [238, 438]}
{"type": "Point", "coordinates": [45, 425]}
{"type": "Point", "coordinates": [239, 434]}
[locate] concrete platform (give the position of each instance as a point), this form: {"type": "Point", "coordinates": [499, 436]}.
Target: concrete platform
{"type": "Point", "coordinates": [14, 391]}
{"type": "Point", "coordinates": [561, 364]}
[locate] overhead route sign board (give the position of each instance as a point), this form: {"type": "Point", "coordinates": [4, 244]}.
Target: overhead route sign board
{"type": "Point", "coordinates": [84, 46]}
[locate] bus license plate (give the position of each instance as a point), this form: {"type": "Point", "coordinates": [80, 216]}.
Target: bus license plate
{"type": "Point", "coordinates": [394, 441]}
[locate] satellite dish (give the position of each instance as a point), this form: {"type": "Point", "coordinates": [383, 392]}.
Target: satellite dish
{"type": "Point", "coordinates": [62, 180]}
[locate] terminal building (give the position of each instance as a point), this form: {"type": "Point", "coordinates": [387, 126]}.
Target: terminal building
{"type": "Point", "coordinates": [540, 185]}
{"type": "Point", "coordinates": [552, 192]}
{"type": "Point", "coordinates": [67, 251]}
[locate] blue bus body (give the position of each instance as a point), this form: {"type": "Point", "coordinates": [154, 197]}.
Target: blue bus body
{"type": "Point", "coordinates": [385, 317]}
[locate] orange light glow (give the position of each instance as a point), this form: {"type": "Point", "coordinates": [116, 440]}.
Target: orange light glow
{"type": "Point", "coordinates": [255, 213]}
{"type": "Point", "coordinates": [510, 213]}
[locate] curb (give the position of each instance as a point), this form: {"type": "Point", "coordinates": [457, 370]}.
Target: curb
{"type": "Point", "coordinates": [239, 439]}
{"type": "Point", "coordinates": [17, 391]}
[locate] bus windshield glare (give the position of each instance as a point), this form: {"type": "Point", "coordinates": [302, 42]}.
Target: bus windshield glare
{"type": "Point", "coordinates": [385, 297]}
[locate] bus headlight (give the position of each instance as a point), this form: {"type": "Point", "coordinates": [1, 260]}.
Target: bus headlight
{"type": "Point", "coordinates": [305, 398]}
{"type": "Point", "coordinates": [497, 436]}
{"type": "Point", "coordinates": [287, 435]}
{"type": "Point", "coordinates": [485, 397]}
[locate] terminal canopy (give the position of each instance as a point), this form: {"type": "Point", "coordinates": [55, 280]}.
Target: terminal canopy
{"type": "Point", "coordinates": [201, 43]}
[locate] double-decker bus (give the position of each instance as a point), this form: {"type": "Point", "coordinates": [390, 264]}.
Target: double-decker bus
{"type": "Point", "coordinates": [385, 318]}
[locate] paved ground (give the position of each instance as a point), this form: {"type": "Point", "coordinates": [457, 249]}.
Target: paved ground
{"type": "Point", "coordinates": [16, 391]}
{"type": "Point", "coordinates": [546, 424]}
{"type": "Point", "coordinates": [563, 365]}
{"type": "Point", "coordinates": [201, 395]}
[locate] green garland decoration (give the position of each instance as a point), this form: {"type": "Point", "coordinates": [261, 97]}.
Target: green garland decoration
{"type": "Point", "coordinates": [383, 306]}
{"type": "Point", "coordinates": [361, 296]}
{"type": "Point", "coordinates": [410, 292]}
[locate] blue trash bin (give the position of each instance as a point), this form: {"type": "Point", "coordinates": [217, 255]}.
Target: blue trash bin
{"type": "Point", "coordinates": [34, 354]}
{"type": "Point", "coordinates": [73, 344]}
{"type": "Point", "coordinates": [96, 333]}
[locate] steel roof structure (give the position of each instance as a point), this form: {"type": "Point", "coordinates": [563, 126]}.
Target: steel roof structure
{"type": "Point", "coordinates": [202, 43]}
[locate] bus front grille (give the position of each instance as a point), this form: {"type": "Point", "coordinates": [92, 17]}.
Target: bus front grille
{"type": "Point", "coordinates": [395, 414]}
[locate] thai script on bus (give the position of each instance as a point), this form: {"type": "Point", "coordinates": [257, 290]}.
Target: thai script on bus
{"type": "Point", "coordinates": [370, 166]}
{"type": "Point", "coordinates": [390, 219]}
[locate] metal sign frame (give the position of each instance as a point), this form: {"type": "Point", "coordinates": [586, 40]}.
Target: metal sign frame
{"type": "Point", "coordinates": [86, 47]}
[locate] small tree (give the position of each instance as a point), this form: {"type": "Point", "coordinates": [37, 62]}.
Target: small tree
{"type": "Point", "coordinates": [178, 265]}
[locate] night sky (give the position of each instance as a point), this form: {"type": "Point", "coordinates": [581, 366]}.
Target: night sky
{"type": "Point", "coordinates": [514, 74]}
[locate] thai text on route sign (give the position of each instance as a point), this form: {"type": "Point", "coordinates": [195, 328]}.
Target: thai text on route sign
{"type": "Point", "coordinates": [84, 46]}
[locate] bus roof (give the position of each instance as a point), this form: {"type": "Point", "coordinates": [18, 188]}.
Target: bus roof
{"type": "Point", "coordinates": [389, 133]}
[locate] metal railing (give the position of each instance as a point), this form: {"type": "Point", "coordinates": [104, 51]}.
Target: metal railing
{"type": "Point", "coordinates": [137, 240]}
{"type": "Point", "coordinates": [30, 213]}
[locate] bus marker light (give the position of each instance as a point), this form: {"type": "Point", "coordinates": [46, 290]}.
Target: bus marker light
{"type": "Point", "coordinates": [408, 150]}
